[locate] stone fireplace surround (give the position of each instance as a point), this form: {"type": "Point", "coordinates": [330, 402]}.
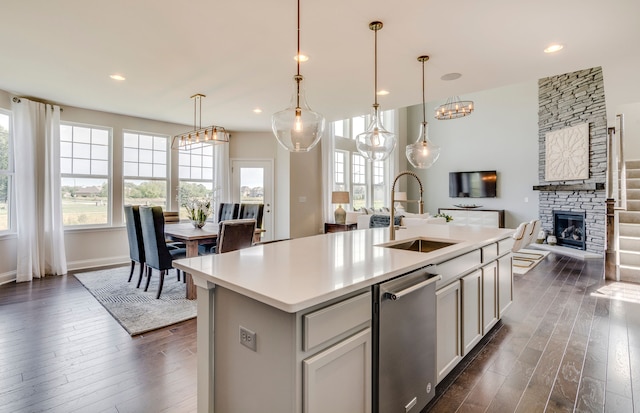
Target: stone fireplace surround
{"type": "Point", "coordinates": [564, 101]}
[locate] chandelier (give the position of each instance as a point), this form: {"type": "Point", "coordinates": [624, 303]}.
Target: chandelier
{"type": "Point", "coordinates": [376, 143]}
{"type": "Point", "coordinates": [298, 128]}
{"type": "Point", "coordinates": [199, 136]}
{"type": "Point", "coordinates": [454, 109]}
{"type": "Point", "coordinates": [423, 153]}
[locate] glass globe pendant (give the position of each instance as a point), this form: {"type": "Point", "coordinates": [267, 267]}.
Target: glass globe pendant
{"type": "Point", "coordinates": [423, 153]}
{"type": "Point", "coordinates": [375, 143]}
{"type": "Point", "coordinates": [298, 128]}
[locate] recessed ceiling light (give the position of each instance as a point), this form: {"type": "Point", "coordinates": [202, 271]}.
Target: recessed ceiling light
{"type": "Point", "coordinates": [451, 76]}
{"type": "Point", "coordinates": [117, 77]}
{"type": "Point", "coordinates": [257, 110]}
{"type": "Point", "coordinates": [553, 48]}
{"type": "Point", "coordinates": [303, 58]}
{"type": "Point", "coordinates": [383, 92]}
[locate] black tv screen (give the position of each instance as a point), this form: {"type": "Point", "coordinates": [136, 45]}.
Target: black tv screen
{"type": "Point", "coordinates": [478, 184]}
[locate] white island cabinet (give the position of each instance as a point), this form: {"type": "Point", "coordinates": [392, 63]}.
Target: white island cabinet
{"type": "Point", "coordinates": [287, 326]}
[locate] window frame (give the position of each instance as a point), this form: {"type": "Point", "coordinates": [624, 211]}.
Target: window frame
{"type": "Point", "coordinates": [167, 160]}
{"type": "Point", "coordinates": [108, 177]}
{"type": "Point", "coordinates": [378, 171]}
{"type": "Point", "coordinates": [10, 173]}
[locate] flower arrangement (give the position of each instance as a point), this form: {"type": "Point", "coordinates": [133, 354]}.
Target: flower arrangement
{"type": "Point", "coordinates": [198, 201]}
{"type": "Point", "coordinates": [198, 210]}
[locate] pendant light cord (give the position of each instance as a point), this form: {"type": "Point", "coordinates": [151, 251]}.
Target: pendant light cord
{"type": "Point", "coordinates": [424, 108]}
{"type": "Point", "coordinates": [298, 62]}
{"type": "Point", "coordinates": [375, 69]}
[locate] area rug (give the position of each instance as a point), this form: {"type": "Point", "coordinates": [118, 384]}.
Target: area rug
{"type": "Point", "coordinates": [524, 260]}
{"type": "Point", "coordinates": [138, 311]}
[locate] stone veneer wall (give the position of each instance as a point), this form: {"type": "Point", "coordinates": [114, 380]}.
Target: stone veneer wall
{"type": "Point", "coordinates": [564, 101]}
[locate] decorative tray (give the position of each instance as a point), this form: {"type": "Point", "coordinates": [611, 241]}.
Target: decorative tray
{"type": "Point", "coordinates": [468, 206]}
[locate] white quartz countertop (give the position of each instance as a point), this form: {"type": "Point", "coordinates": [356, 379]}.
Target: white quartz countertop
{"type": "Point", "coordinates": [297, 274]}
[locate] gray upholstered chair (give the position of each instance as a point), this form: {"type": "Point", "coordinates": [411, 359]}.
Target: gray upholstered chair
{"type": "Point", "coordinates": [252, 211]}
{"type": "Point", "coordinates": [235, 234]}
{"type": "Point", "coordinates": [228, 211]}
{"type": "Point", "coordinates": [158, 256]}
{"type": "Point", "coordinates": [134, 233]}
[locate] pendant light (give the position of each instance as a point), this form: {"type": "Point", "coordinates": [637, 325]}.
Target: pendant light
{"type": "Point", "coordinates": [298, 128]}
{"type": "Point", "coordinates": [199, 136]}
{"type": "Point", "coordinates": [423, 153]}
{"type": "Point", "coordinates": [375, 143]}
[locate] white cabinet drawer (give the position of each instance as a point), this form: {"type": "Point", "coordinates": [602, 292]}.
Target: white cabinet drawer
{"type": "Point", "coordinates": [489, 252]}
{"type": "Point", "coordinates": [452, 269]}
{"type": "Point", "coordinates": [505, 245]}
{"type": "Point", "coordinates": [329, 322]}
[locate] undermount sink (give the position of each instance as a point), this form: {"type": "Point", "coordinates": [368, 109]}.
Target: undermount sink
{"type": "Point", "coordinates": [419, 244]}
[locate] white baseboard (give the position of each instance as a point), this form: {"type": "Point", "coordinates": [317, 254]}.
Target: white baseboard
{"type": "Point", "coordinates": [7, 277]}
{"type": "Point", "coordinates": [10, 276]}
{"type": "Point", "coordinates": [97, 263]}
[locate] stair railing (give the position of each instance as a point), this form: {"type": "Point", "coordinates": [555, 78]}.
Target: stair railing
{"type": "Point", "coordinates": [616, 195]}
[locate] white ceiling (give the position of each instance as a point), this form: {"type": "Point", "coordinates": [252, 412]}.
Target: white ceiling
{"type": "Point", "coordinates": [240, 53]}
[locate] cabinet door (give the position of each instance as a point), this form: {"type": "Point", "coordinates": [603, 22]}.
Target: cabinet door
{"type": "Point", "coordinates": [505, 284]}
{"type": "Point", "coordinates": [489, 296]}
{"type": "Point", "coordinates": [338, 379]}
{"type": "Point", "coordinates": [448, 349]}
{"type": "Point", "coordinates": [471, 310]}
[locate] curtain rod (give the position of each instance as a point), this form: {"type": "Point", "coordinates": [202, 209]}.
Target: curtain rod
{"type": "Point", "coordinates": [18, 100]}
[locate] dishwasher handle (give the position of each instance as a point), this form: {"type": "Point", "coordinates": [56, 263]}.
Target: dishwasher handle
{"type": "Point", "coordinates": [396, 295]}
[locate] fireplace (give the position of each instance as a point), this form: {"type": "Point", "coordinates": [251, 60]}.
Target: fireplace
{"type": "Point", "coordinates": [569, 229]}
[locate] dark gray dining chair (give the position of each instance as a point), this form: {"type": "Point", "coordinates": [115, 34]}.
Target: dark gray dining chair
{"type": "Point", "coordinates": [228, 211]}
{"type": "Point", "coordinates": [134, 233]}
{"type": "Point", "coordinates": [255, 211]}
{"type": "Point", "coordinates": [158, 255]}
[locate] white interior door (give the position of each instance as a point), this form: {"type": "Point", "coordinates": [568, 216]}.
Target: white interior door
{"type": "Point", "coordinates": [252, 183]}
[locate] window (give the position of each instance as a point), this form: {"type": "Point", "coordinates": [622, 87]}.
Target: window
{"type": "Point", "coordinates": [358, 181]}
{"type": "Point", "coordinates": [368, 182]}
{"type": "Point", "coordinates": [145, 169]}
{"type": "Point", "coordinates": [85, 178]}
{"type": "Point", "coordinates": [339, 170]}
{"type": "Point", "coordinates": [195, 172]}
{"type": "Point", "coordinates": [6, 172]}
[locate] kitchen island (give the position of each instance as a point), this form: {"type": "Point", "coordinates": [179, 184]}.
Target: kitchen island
{"type": "Point", "coordinates": [302, 310]}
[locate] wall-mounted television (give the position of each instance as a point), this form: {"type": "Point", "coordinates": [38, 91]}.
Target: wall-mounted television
{"type": "Point", "coordinates": [476, 184]}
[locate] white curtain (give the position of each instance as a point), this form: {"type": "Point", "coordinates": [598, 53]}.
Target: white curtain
{"type": "Point", "coordinates": [221, 175]}
{"type": "Point", "coordinates": [40, 229]}
{"type": "Point", "coordinates": [328, 146]}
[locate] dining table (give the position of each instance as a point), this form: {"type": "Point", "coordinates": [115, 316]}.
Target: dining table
{"type": "Point", "coordinates": [192, 236]}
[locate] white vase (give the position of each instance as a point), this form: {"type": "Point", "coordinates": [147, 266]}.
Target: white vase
{"type": "Point", "coordinates": [552, 240]}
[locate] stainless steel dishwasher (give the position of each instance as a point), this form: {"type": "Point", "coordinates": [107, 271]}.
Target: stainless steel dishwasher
{"type": "Point", "coordinates": [404, 342]}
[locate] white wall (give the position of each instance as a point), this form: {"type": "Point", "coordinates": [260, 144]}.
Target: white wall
{"type": "Point", "coordinates": [501, 135]}
{"type": "Point", "coordinates": [622, 94]}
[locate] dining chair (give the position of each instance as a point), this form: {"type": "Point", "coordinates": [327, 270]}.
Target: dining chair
{"type": "Point", "coordinates": [255, 211]}
{"type": "Point", "coordinates": [134, 233]}
{"type": "Point", "coordinates": [228, 211]}
{"type": "Point", "coordinates": [158, 255]}
{"type": "Point", "coordinates": [173, 217]}
{"type": "Point", "coordinates": [235, 234]}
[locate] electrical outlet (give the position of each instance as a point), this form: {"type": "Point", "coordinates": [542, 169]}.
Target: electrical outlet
{"type": "Point", "coordinates": [248, 338]}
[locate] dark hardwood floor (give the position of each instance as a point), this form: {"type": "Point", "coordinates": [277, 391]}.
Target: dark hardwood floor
{"type": "Point", "coordinates": [559, 348]}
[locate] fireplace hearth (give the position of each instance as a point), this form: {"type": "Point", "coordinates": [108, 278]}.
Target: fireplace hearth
{"type": "Point", "coordinates": [569, 229]}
